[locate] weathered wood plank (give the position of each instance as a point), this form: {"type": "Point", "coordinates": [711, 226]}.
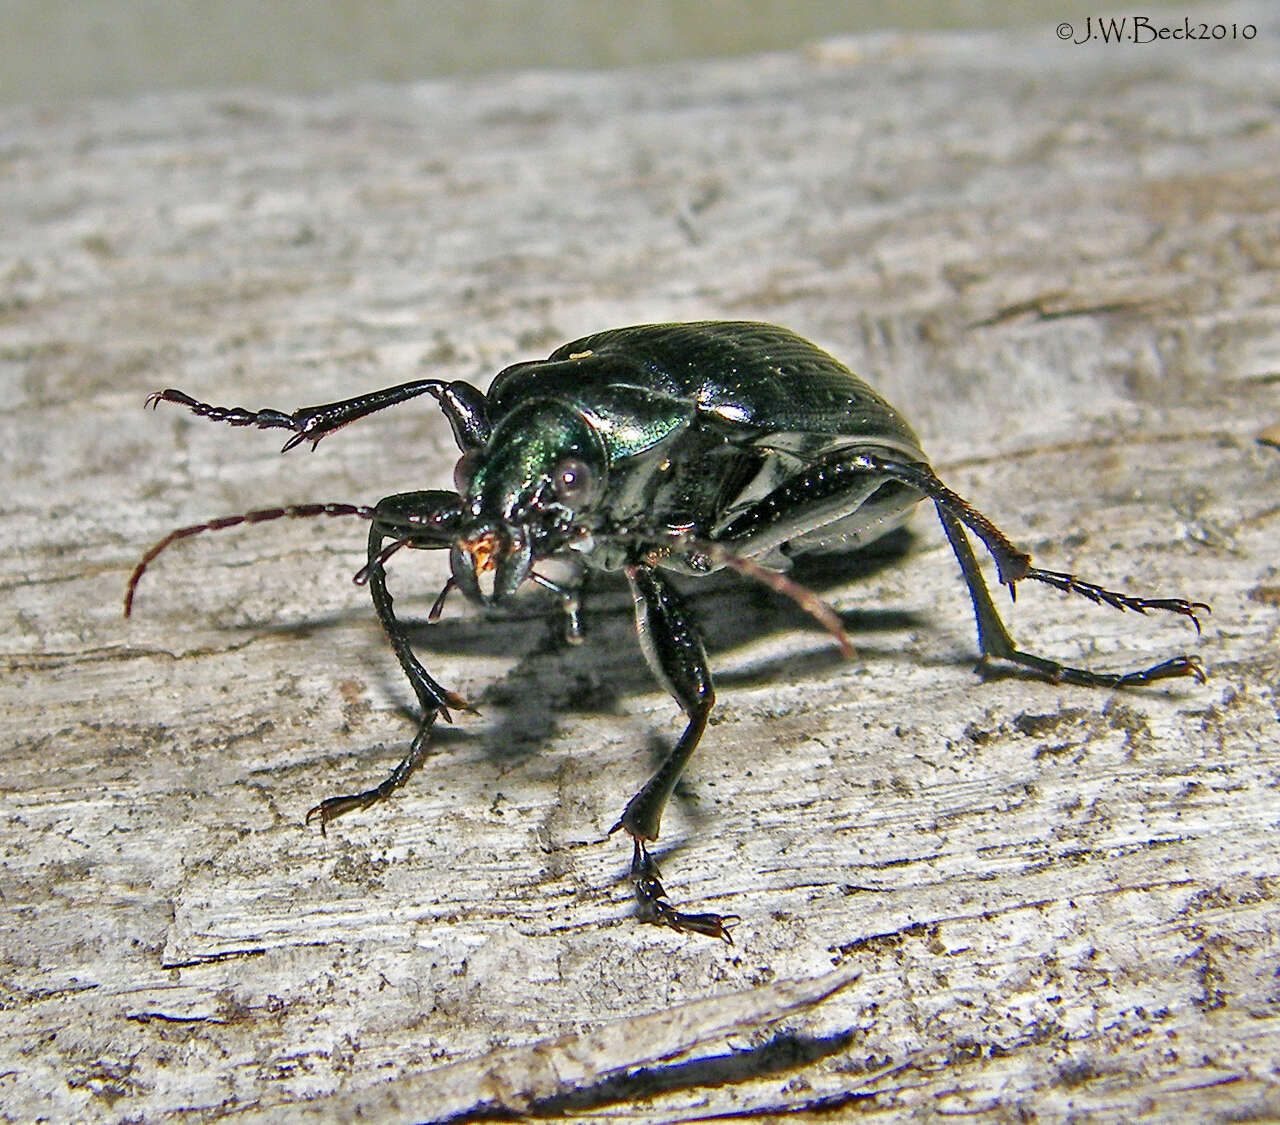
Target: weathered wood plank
{"type": "Point", "coordinates": [1060, 262]}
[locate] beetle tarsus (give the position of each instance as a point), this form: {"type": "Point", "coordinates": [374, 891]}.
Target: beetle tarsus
{"type": "Point", "coordinates": [1173, 668]}
{"type": "Point", "coordinates": [231, 415]}
{"type": "Point", "coordinates": [1057, 673]}
{"type": "Point", "coordinates": [333, 807]}
{"type": "Point", "coordinates": [652, 905]}
{"type": "Point", "coordinates": [1099, 595]}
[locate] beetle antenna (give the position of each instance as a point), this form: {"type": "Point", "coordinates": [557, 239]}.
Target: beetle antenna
{"type": "Point", "coordinates": [261, 515]}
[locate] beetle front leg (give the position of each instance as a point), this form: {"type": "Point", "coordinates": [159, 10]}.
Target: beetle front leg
{"type": "Point", "coordinates": [465, 407]}
{"type": "Point", "coordinates": [675, 653]}
{"type": "Point", "coordinates": [421, 519]}
{"type": "Point", "coordinates": [333, 807]}
{"type": "Point", "coordinates": [422, 511]}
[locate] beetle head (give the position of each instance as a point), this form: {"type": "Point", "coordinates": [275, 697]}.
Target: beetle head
{"type": "Point", "coordinates": [525, 494]}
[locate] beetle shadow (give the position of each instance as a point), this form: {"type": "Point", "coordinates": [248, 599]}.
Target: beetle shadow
{"type": "Point", "coordinates": [784, 1052]}
{"type": "Point", "coordinates": [550, 677]}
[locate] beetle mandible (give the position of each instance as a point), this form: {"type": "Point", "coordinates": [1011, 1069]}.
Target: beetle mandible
{"type": "Point", "coordinates": [656, 448]}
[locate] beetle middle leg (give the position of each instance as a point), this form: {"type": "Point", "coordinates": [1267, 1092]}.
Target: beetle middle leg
{"type": "Point", "coordinates": [417, 519]}
{"type": "Point", "coordinates": [675, 652]}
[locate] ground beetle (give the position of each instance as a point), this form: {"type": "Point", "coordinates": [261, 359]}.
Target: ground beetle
{"type": "Point", "coordinates": [662, 447]}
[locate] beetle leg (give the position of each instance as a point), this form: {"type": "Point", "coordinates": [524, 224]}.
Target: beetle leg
{"type": "Point", "coordinates": [1013, 565]}
{"type": "Point", "coordinates": [465, 407]}
{"type": "Point", "coordinates": [431, 696]}
{"type": "Point", "coordinates": [653, 907]}
{"type": "Point", "coordinates": [570, 595]}
{"type": "Point", "coordinates": [424, 517]}
{"type": "Point", "coordinates": [675, 653]}
{"type": "Point", "coordinates": [995, 642]}
{"type": "Point", "coordinates": [809, 504]}
{"type": "Point", "coordinates": [332, 807]}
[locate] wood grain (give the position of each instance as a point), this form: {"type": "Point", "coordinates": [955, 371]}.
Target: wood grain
{"type": "Point", "coordinates": [1061, 262]}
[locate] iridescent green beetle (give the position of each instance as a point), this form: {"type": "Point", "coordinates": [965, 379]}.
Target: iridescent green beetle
{"type": "Point", "coordinates": [662, 447]}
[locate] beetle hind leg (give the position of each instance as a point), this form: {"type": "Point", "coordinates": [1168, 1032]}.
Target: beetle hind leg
{"type": "Point", "coordinates": [1013, 565]}
{"type": "Point", "coordinates": [995, 642]}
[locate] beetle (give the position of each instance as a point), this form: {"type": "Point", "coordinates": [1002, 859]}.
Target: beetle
{"type": "Point", "coordinates": [650, 450]}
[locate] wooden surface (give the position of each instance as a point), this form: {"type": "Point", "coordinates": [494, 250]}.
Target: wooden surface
{"type": "Point", "coordinates": [996, 898]}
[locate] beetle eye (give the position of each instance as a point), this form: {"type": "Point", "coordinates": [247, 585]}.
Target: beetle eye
{"type": "Point", "coordinates": [573, 482]}
{"type": "Point", "coordinates": [465, 469]}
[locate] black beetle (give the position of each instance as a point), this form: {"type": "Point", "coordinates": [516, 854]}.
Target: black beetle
{"type": "Point", "coordinates": [678, 447]}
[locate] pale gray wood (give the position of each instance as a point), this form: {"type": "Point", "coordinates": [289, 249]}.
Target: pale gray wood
{"type": "Point", "coordinates": [1060, 261]}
